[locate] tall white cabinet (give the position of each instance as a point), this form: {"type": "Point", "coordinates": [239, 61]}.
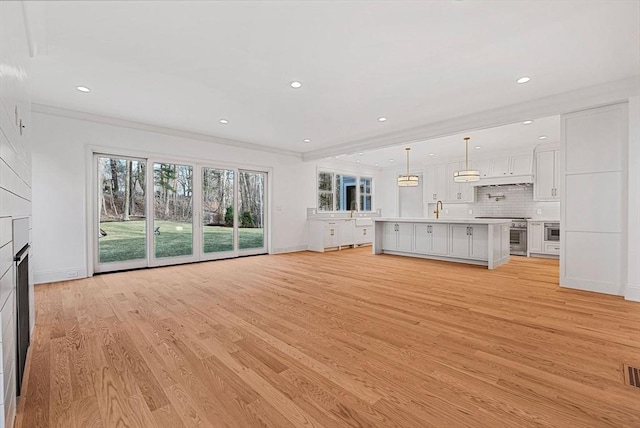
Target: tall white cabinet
{"type": "Point", "coordinates": [547, 176]}
{"type": "Point", "coordinates": [593, 172]}
{"type": "Point", "coordinates": [15, 188]}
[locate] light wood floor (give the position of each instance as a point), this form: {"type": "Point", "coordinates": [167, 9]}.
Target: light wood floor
{"type": "Point", "coordinates": [331, 340]}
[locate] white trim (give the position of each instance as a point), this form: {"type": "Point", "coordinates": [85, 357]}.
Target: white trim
{"type": "Point", "coordinates": [632, 292]}
{"type": "Point", "coordinates": [590, 97]}
{"type": "Point", "coordinates": [90, 117]}
{"type": "Point", "coordinates": [58, 275]}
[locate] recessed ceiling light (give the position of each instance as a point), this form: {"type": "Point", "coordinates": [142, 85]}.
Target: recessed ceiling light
{"type": "Point", "coordinates": [382, 119]}
{"type": "Point", "coordinates": [306, 140]}
{"type": "Point", "coordinates": [542, 137]}
{"type": "Point", "coordinates": [523, 79]}
{"type": "Point", "coordinates": [295, 84]}
{"type": "Point", "coordinates": [83, 89]}
{"type": "Point", "coordinates": [392, 160]}
{"type": "Point", "coordinates": [432, 154]}
{"type": "Point", "coordinates": [527, 122]}
{"type": "Point", "coordinates": [360, 154]}
{"type": "Point", "coordinates": [377, 164]}
{"type": "Point", "coordinates": [358, 161]}
{"type": "Point", "coordinates": [224, 121]}
{"type": "Point", "coordinates": [478, 147]}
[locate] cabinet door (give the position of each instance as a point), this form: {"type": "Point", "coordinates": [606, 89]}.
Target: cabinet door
{"type": "Point", "coordinates": [543, 187]}
{"type": "Point", "coordinates": [430, 185]}
{"type": "Point", "coordinates": [330, 237]}
{"type": "Point", "coordinates": [535, 237]}
{"type": "Point", "coordinates": [422, 238]}
{"type": "Point", "coordinates": [390, 237]}
{"type": "Point", "coordinates": [520, 165]}
{"type": "Point", "coordinates": [499, 167]}
{"type": "Point", "coordinates": [467, 192]}
{"type": "Point", "coordinates": [440, 182]}
{"type": "Point", "coordinates": [459, 240]}
{"type": "Point", "coordinates": [346, 232]}
{"type": "Point", "coordinates": [452, 188]}
{"type": "Point", "coordinates": [479, 248]}
{"type": "Point", "coordinates": [439, 238]}
{"type": "Point", "coordinates": [483, 165]}
{"type": "Point", "coordinates": [405, 236]}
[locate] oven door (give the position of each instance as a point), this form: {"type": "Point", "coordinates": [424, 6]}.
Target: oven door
{"type": "Point", "coordinates": [518, 241]}
{"type": "Point", "coordinates": [551, 232]}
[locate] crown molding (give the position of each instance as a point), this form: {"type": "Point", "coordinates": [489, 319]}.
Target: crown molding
{"type": "Point", "coordinates": [580, 99]}
{"type": "Point", "coordinates": [106, 120]}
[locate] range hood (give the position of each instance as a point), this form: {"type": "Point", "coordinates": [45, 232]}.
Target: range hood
{"type": "Point", "coordinates": [507, 179]}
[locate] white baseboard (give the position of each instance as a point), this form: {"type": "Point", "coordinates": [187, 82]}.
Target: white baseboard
{"type": "Point", "coordinates": [632, 292]}
{"type": "Point", "coordinates": [289, 249]}
{"type": "Point", "coordinates": [59, 275]}
{"type": "Point", "coordinates": [593, 286]}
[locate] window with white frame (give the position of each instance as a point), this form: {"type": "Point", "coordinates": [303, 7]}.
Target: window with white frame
{"type": "Point", "coordinates": [344, 192]}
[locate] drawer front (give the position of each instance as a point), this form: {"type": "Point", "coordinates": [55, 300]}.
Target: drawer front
{"type": "Point", "coordinates": [552, 248]}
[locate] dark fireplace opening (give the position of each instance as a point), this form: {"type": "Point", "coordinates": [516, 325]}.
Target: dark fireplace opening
{"type": "Point", "coordinates": [22, 312]}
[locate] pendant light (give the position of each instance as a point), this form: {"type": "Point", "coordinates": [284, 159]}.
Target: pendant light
{"type": "Point", "coordinates": [467, 174]}
{"type": "Point", "coordinates": [408, 180]}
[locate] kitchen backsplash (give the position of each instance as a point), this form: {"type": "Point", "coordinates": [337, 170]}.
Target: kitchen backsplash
{"type": "Point", "coordinates": [513, 201]}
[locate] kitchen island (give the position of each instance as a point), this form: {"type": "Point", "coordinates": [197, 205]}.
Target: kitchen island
{"type": "Point", "coordinates": [475, 241]}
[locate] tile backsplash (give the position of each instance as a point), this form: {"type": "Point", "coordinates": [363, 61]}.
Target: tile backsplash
{"type": "Point", "coordinates": [513, 201]}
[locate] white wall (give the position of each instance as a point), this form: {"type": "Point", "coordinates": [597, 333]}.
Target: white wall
{"type": "Point", "coordinates": [15, 185]}
{"type": "Point", "coordinates": [60, 157]}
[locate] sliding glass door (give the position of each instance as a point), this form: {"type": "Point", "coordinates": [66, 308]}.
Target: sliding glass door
{"type": "Point", "coordinates": [251, 212]}
{"type": "Point", "coordinates": [218, 231]}
{"type": "Point", "coordinates": [121, 228]}
{"type": "Point", "coordinates": [197, 213]}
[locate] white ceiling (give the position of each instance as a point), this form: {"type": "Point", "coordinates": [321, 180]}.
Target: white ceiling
{"type": "Point", "coordinates": [510, 139]}
{"type": "Point", "coordinates": [185, 65]}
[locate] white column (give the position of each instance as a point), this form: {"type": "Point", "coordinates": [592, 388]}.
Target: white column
{"type": "Point", "coordinates": [632, 289]}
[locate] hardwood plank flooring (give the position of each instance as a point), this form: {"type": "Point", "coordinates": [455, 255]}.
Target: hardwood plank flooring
{"type": "Point", "coordinates": [341, 339]}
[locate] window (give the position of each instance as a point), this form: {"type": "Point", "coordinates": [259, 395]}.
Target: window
{"type": "Point", "coordinates": [342, 192]}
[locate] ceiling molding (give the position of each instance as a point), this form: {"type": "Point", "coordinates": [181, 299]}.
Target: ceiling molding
{"type": "Point", "coordinates": [593, 96]}
{"type": "Point", "coordinates": [106, 120]}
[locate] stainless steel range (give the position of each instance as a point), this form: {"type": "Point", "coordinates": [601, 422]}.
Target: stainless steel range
{"type": "Point", "coordinates": [518, 235]}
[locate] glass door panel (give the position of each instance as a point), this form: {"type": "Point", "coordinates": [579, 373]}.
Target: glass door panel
{"type": "Point", "coordinates": [121, 232]}
{"type": "Point", "coordinates": [251, 210]}
{"type": "Point", "coordinates": [173, 210]}
{"type": "Point", "coordinates": [217, 210]}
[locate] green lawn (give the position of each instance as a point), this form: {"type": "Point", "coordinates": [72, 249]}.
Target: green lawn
{"type": "Point", "coordinates": [126, 240]}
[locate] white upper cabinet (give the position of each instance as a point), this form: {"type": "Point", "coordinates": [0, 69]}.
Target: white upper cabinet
{"type": "Point", "coordinates": [436, 185]}
{"type": "Point", "coordinates": [484, 166]}
{"type": "Point", "coordinates": [499, 167]}
{"type": "Point", "coordinates": [545, 186]}
{"type": "Point", "coordinates": [520, 165]}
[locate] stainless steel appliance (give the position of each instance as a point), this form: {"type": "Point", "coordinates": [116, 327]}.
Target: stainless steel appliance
{"type": "Point", "coordinates": [517, 234]}
{"type": "Point", "coordinates": [21, 259]}
{"type": "Point", "coordinates": [552, 232]}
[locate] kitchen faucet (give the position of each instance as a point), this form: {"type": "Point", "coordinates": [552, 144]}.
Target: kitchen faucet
{"type": "Point", "coordinates": [437, 211]}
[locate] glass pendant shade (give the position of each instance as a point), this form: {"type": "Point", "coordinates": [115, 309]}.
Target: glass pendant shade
{"type": "Point", "coordinates": [408, 180]}
{"type": "Point", "coordinates": [466, 175]}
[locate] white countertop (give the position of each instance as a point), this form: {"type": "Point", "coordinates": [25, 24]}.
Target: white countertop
{"type": "Point", "coordinates": [543, 220]}
{"type": "Point", "coordinates": [445, 220]}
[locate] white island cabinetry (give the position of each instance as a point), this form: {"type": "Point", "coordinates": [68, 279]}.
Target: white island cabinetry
{"type": "Point", "coordinates": [483, 242]}
{"type": "Point", "coordinates": [335, 233]}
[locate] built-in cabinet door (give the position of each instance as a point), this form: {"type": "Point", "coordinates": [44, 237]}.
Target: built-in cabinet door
{"type": "Point", "coordinates": [439, 238]}
{"type": "Point", "coordinates": [500, 167]}
{"type": "Point", "coordinates": [544, 186]}
{"type": "Point", "coordinates": [390, 237]}
{"type": "Point", "coordinates": [453, 188]}
{"type": "Point", "coordinates": [520, 165]}
{"type": "Point", "coordinates": [436, 185]}
{"type": "Point", "coordinates": [331, 237]}
{"type": "Point", "coordinates": [422, 238]}
{"type": "Point", "coordinates": [346, 232]}
{"type": "Point", "coordinates": [479, 242]}
{"type": "Point", "coordinates": [535, 242]}
{"type": "Point", "coordinates": [556, 173]}
{"type": "Point", "coordinates": [405, 236]}
{"type": "Point", "coordinates": [459, 240]}
{"type": "Point", "coordinates": [484, 166]}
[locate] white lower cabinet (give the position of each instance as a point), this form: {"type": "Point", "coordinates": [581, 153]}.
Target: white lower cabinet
{"type": "Point", "coordinates": [338, 233]}
{"type": "Point", "coordinates": [431, 238]}
{"type": "Point", "coordinates": [398, 236]}
{"type": "Point", "coordinates": [469, 241]}
{"type": "Point", "coordinates": [536, 243]}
